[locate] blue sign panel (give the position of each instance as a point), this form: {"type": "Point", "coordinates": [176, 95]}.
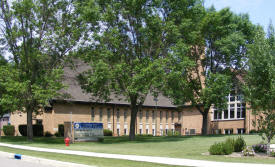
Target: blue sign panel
{"type": "Point", "coordinates": [88, 126]}
{"type": "Point", "coordinates": [88, 131]}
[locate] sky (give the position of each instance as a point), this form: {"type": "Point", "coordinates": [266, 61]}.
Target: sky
{"type": "Point", "coordinates": [260, 11]}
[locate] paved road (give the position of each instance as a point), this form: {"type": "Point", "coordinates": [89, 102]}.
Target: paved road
{"type": "Point", "coordinates": [8, 162]}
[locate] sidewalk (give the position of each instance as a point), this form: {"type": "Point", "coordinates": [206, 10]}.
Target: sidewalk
{"type": "Point", "coordinates": [35, 161]}
{"type": "Point", "coordinates": [160, 160]}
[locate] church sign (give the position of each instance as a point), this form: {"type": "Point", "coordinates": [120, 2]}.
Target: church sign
{"type": "Point", "coordinates": [88, 131]}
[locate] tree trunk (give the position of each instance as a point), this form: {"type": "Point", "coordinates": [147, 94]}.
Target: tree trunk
{"type": "Point", "coordinates": [0, 127]}
{"type": "Point", "coordinates": [204, 114]}
{"type": "Point", "coordinates": [205, 121]}
{"type": "Point", "coordinates": [268, 146]}
{"type": "Point", "coordinates": [134, 110]}
{"type": "Point", "coordinates": [29, 124]}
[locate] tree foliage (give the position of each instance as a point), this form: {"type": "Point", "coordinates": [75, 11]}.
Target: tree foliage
{"type": "Point", "coordinates": [38, 34]}
{"type": "Point", "coordinates": [131, 46]}
{"type": "Point", "coordinates": [220, 53]}
{"type": "Point", "coordinates": [260, 82]}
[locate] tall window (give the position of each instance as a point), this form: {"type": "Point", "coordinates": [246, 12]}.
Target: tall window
{"type": "Point", "coordinates": [140, 116]}
{"type": "Point", "coordinates": [236, 107]}
{"type": "Point", "coordinates": [100, 114]}
{"type": "Point", "coordinates": [93, 113]}
{"type": "Point", "coordinates": [147, 116]}
{"type": "Point", "coordinates": [179, 116]}
{"type": "Point", "coordinates": [108, 115]}
{"type": "Point", "coordinates": [154, 116]}
{"type": "Point", "coordinates": [160, 116]}
{"type": "Point", "coordinates": [167, 115]}
{"type": "Point", "coordinates": [172, 115]}
{"type": "Point", "coordinates": [117, 115]}
{"type": "Point", "coordinates": [125, 116]}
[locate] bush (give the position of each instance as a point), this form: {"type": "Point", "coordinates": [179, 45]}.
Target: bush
{"type": "Point", "coordinates": [177, 133]}
{"type": "Point", "coordinates": [107, 132]}
{"type": "Point", "coordinates": [239, 144]}
{"type": "Point", "coordinates": [253, 131]}
{"type": "Point", "coordinates": [9, 130]}
{"type": "Point", "coordinates": [37, 130]}
{"type": "Point", "coordinates": [272, 153]}
{"type": "Point", "coordinates": [100, 139]}
{"type": "Point", "coordinates": [216, 149]}
{"type": "Point", "coordinates": [170, 133]}
{"type": "Point", "coordinates": [48, 134]}
{"type": "Point", "coordinates": [56, 134]}
{"type": "Point", "coordinates": [231, 142]}
{"type": "Point", "coordinates": [60, 130]}
{"type": "Point", "coordinates": [222, 148]}
{"type": "Point", "coordinates": [260, 148]}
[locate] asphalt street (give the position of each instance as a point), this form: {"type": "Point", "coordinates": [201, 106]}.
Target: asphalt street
{"type": "Point", "coordinates": [8, 162]}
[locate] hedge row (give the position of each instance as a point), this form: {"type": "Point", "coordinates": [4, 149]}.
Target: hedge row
{"type": "Point", "coordinates": [38, 130]}
{"type": "Point", "coordinates": [8, 130]}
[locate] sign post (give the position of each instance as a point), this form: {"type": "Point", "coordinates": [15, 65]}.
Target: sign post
{"type": "Point", "coordinates": [88, 131]}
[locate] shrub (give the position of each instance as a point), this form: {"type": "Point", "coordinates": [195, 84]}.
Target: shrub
{"type": "Point", "coordinates": [222, 148]}
{"type": "Point", "coordinates": [107, 132]}
{"type": "Point", "coordinates": [56, 134]}
{"type": "Point", "coordinates": [177, 133]}
{"type": "Point", "coordinates": [253, 131]}
{"type": "Point", "coordinates": [170, 133]}
{"type": "Point", "coordinates": [37, 130]}
{"type": "Point", "coordinates": [48, 134]}
{"type": "Point", "coordinates": [239, 144]}
{"type": "Point", "coordinates": [100, 139]}
{"type": "Point", "coordinates": [216, 149]}
{"type": "Point", "coordinates": [228, 147]}
{"type": "Point", "coordinates": [23, 130]}
{"type": "Point", "coordinates": [9, 130]}
{"type": "Point", "coordinates": [60, 130]}
{"type": "Point", "coordinates": [260, 148]}
{"type": "Point", "coordinates": [272, 153]}
{"type": "Point", "coordinates": [230, 142]}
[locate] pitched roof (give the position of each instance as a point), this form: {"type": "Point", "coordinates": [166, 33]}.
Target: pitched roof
{"type": "Point", "coordinates": [76, 94]}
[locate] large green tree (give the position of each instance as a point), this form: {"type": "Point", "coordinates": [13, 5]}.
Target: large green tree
{"type": "Point", "coordinates": [38, 35]}
{"type": "Point", "coordinates": [260, 82]}
{"type": "Point", "coordinates": [131, 46]}
{"type": "Point", "coordinates": [218, 53]}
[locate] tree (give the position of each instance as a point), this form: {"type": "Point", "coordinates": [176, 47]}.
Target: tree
{"type": "Point", "coordinates": [130, 47]}
{"type": "Point", "coordinates": [9, 88]}
{"type": "Point", "coordinates": [260, 82]}
{"type": "Point", "coordinates": [2, 89]}
{"type": "Point", "coordinates": [219, 52]}
{"type": "Point", "coordinates": [38, 34]}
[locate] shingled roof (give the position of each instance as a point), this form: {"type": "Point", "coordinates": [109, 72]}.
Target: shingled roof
{"type": "Point", "coordinates": [76, 94]}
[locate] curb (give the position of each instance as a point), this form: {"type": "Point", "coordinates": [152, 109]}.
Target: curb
{"type": "Point", "coordinates": [43, 161]}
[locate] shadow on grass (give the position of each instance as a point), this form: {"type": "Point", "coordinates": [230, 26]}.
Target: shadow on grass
{"type": "Point", "coordinates": [152, 139]}
{"type": "Point", "coordinates": [107, 139]}
{"type": "Point", "coordinates": [36, 140]}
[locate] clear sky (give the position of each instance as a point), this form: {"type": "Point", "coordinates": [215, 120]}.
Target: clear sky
{"type": "Point", "coordinates": [260, 11]}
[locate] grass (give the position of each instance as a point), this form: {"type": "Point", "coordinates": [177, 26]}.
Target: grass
{"type": "Point", "coordinates": [190, 147]}
{"type": "Point", "coordinates": [100, 162]}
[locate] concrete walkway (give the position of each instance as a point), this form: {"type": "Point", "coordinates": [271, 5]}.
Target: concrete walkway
{"type": "Point", "coordinates": [7, 159]}
{"type": "Point", "coordinates": [160, 160]}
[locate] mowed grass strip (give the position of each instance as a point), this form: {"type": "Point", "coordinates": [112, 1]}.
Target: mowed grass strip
{"type": "Point", "coordinates": [92, 161]}
{"type": "Point", "coordinates": [191, 147]}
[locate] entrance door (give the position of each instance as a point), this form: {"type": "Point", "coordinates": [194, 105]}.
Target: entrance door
{"type": "Point", "coordinates": [178, 128]}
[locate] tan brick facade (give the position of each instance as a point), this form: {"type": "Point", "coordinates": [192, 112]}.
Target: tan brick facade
{"type": "Point", "coordinates": [152, 121]}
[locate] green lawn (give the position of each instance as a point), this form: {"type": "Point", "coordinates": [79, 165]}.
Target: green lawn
{"type": "Point", "coordinates": [190, 147]}
{"type": "Point", "coordinates": [100, 162]}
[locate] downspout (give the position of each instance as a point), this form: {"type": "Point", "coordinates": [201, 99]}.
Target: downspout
{"type": "Point", "coordinates": [114, 119]}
